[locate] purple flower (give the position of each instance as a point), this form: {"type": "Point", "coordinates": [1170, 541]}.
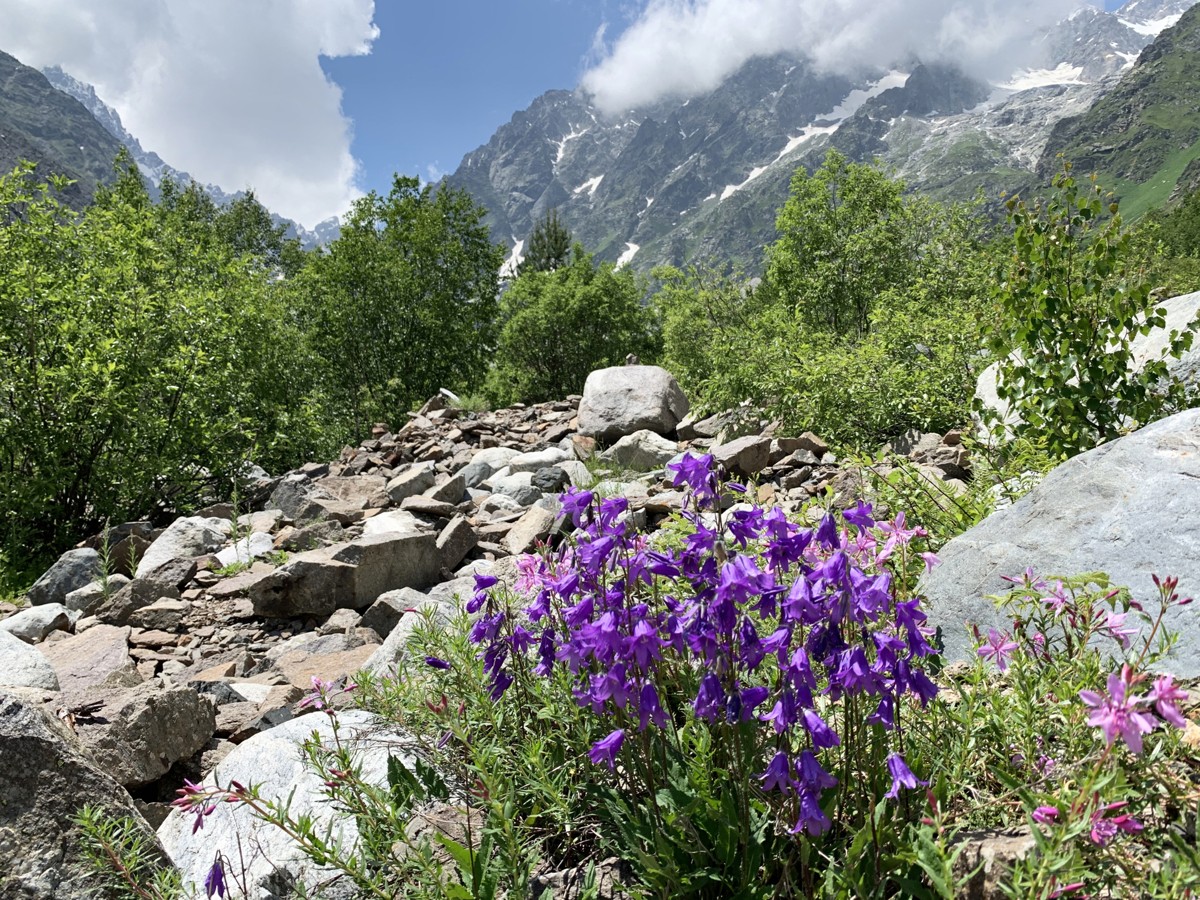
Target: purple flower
{"type": "Point", "coordinates": [1165, 695]}
{"type": "Point", "coordinates": [214, 881]}
{"type": "Point", "coordinates": [998, 647]}
{"type": "Point", "coordinates": [827, 532]}
{"type": "Point", "coordinates": [1104, 829]}
{"type": "Point", "coordinates": [650, 709]}
{"type": "Point", "coordinates": [575, 503]}
{"type": "Point", "coordinates": [710, 700]}
{"type": "Point", "coordinates": [902, 776]}
{"type": "Point", "coordinates": [822, 735]}
{"type": "Point", "coordinates": [783, 715]}
{"type": "Point", "coordinates": [1045, 815]}
{"type": "Point", "coordinates": [812, 818]}
{"type": "Point", "coordinates": [1117, 713]}
{"type": "Point", "coordinates": [434, 663]}
{"type": "Point", "coordinates": [501, 682]}
{"type": "Point", "coordinates": [695, 472]}
{"type": "Point", "coordinates": [778, 775]}
{"type": "Point", "coordinates": [860, 517]}
{"type": "Point", "coordinates": [812, 775]}
{"type": "Point", "coordinates": [606, 749]}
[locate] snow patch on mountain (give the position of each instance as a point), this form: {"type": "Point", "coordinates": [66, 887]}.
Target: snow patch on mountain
{"type": "Point", "coordinates": [589, 186]}
{"type": "Point", "coordinates": [627, 257]}
{"type": "Point", "coordinates": [1064, 73]}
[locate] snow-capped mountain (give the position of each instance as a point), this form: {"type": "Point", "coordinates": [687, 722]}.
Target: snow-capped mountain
{"type": "Point", "coordinates": [678, 182]}
{"type": "Point", "coordinates": [156, 171]}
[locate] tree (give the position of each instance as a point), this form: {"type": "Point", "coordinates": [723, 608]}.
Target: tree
{"type": "Point", "coordinates": [845, 237]}
{"type": "Point", "coordinates": [558, 326]}
{"type": "Point", "coordinates": [402, 303]}
{"type": "Point", "coordinates": [1070, 302]}
{"type": "Point", "coordinates": [549, 245]}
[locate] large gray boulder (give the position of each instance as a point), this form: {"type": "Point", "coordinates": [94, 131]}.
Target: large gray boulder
{"type": "Point", "coordinates": [624, 399]}
{"type": "Point", "coordinates": [642, 451]}
{"type": "Point", "coordinates": [486, 462]}
{"type": "Point", "coordinates": [24, 666]}
{"type": "Point", "coordinates": [33, 624]}
{"type": "Point", "coordinates": [73, 570]}
{"type": "Point", "coordinates": [47, 779]}
{"type": "Point", "coordinates": [273, 761]}
{"type": "Point", "coordinates": [184, 538]}
{"type": "Point", "coordinates": [1179, 314]}
{"type": "Point", "coordinates": [1130, 508]}
{"type": "Point", "coordinates": [97, 656]}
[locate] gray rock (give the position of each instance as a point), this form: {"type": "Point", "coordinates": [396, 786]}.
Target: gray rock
{"type": "Point", "coordinates": [140, 732]}
{"type": "Point", "coordinates": [386, 612]}
{"type": "Point", "coordinates": [455, 541]}
{"type": "Point", "coordinates": [744, 456]}
{"type": "Point", "coordinates": [312, 583]}
{"type": "Point", "coordinates": [24, 666]}
{"type": "Point", "coordinates": [537, 459]}
{"type": "Point", "coordinates": [73, 570]}
{"type": "Point", "coordinates": [500, 503]}
{"type": "Point", "coordinates": [413, 606]}
{"type": "Point", "coordinates": [272, 761]}
{"type": "Point", "coordinates": [47, 779]}
{"type": "Point", "coordinates": [87, 598]}
{"type": "Point", "coordinates": [624, 399]}
{"type": "Point", "coordinates": [247, 549]}
{"type": "Point", "coordinates": [518, 486]}
{"type": "Point", "coordinates": [1130, 508]}
{"type": "Point", "coordinates": [298, 498]}
{"type": "Point", "coordinates": [165, 614]}
{"type": "Point", "coordinates": [311, 536]}
{"type": "Point", "coordinates": [535, 525]}
{"type": "Point", "coordinates": [412, 481]}
{"type": "Point", "coordinates": [577, 472]}
{"type": "Point", "coordinates": [33, 624]}
{"type": "Point", "coordinates": [386, 562]}
{"type": "Point", "coordinates": [641, 451]}
{"type": "Point", "coordinates": [452, 491]}
{"type": "Point", "coordinates": [184, 538]}
{"type": "Point", "coordinates": [165, 580]}
{"type": "Point", "coordinates": [97, 656]}
{"type": "Point", "coordinates": [343, 621]}
{"type": "Point", "coordinates": [266, 520]}
{"type": "Point", "coordinates": [395, 521]}
{"type": "Point", "coordinates": [550, 480]}
{"type": "Point", "coordinates": [485, 463]}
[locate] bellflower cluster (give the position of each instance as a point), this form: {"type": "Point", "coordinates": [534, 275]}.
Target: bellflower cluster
{"type": "Point", "coordinates": [753, 623]}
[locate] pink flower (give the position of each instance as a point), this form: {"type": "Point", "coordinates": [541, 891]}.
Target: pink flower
{"type": "Point", "coordinates": [1045, 815]}
{"type": "Point", "coordinates": [930, 560]}
{"type": "Point", "coordinates": [1105, 829]}
{"type": "Point", "coordinates": [998, 647]}
{"type": "Point", "coordinates": [1118, 713]}
{"type": "Point", "coordinates": [1165, 695]}
{"type": "Point", "coordinates": [1114, 624]}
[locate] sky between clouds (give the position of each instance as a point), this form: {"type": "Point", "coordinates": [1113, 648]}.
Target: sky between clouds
{"type": "Point", "coordinates": [312, 101]}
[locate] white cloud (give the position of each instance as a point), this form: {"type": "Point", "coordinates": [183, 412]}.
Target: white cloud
{"type": "Point", "coordinates": [683, 48]}
{"type": "Point", "coordinates": [229, 90]}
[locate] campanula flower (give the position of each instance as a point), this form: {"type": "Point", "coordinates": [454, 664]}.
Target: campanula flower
{"type": "Point", "coordinates": [606, 749]}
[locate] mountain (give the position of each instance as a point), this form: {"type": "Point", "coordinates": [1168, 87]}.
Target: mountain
{"type": "Point", "coordinates": [701, 180]}
{"type": "Point", "coordinates": [46, 127]}
{"type": "Point", "coordinates": [1142, 139]}
{"type": "Point", "coordinates": [151, 165]}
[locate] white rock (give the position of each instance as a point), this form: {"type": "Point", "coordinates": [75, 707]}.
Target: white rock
{"type": "Point", "coordinates": [24, 666]}
{"type": "Point", "coordinates": [184, 538]}
{"type": "Point", "coordinates": [247, 549]}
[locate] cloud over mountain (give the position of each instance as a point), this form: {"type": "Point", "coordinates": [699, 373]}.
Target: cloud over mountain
{"type": "Point", "coordinates": [682, 48]}
{"type": "Point", "coordinates": [230, 90]}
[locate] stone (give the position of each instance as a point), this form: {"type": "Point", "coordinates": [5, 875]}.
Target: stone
{"type": "Point", "coordinates": [247, 549]}
{"type": "Point", "coordinates": [984, 862]}
{"type": "Point", "coordinates": [35, 623]}
{"type": "Point", "coordinates": [86, 599]}
{"type": "Point", "coordinates": [312, 583]}
{"type": "Point", "coordinates": [164, 614]}
{"type": "Point", "coordinates": [310, 536]}
{"type": "Point", "coordinates": [386, 612]}
{"type": "Point", "coordinates": [139, 732]}
{"type": "Point", "coordinates": [73, 570]}
{"type": "Point", "coordinates": [165, 580]}
{"type": "Point", "coordinates": [97, 656]}
{"type": "Point", "coordinates": [357, 491]}
{"type": "Point", "coordinates": [577, 473]}
{"type": "Point", "coordinates": [451, 491]}
{"type": "Point", "coordinates": [47, 779]}
{"type": "Point", "coordinates": [386, 562]}
{"type": "Point", "coordinates": [518, 486]}
{"type": "Point", "coordinates": [501, 504]}
{"type": "Point", "coordinates": [342, 621]}
{"type": "Point", "coordinates": [623, 399]}
{"type": "Point", "coordinates": [550, 480]}
{"type": "Point", "coordinates": [24, 666]}
{"type": "Point", "coordinates": [411, 482]}
{"type": "Point", "coordinates": [427, 506]}
{"type": "Point", "coordinates": [484, 463]}
{"type": "Point", "coordinates": [395, 521]}
{"type": "Point", "coordinates": [744, 456]}
{"type": "Point", "coordinates": [273, 762]}
{"type": "Point", "coordinates": [601, 881]}
{"type": "Point", "coordinates": [299, 499]}
{"type": "Point", "coordinates": [535, 525]}
{"type": "Point", "coordinates": [455, 541]}
{"type": "Point", "coordinates": [415, 606]}
{"type": "Point", "coordinates": [537, 459]}
{"type": "Point", "coordinates": [1130, 508]}
{"type": "Point", "coordinates": [184, 538]}
{"type": "Point", "coordinates": [641, 451]}
{"type": "Point", "coordinates": [265, 520]}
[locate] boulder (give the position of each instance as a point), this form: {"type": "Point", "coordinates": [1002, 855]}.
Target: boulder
{"type": "Point", "coordinates": [139, 732]}
{"type": "Point", "coordinates": [485, 463]}
{"type": "Point", "coordinates": [386, 612]}
{"type": "Point", "coordinates": [624, 399]}
{"type": "Point", "coordinates": [411, 482]}
{"type": "Point", "coordinates": [1130, 508]}
{"type": "Point", "coordinates": [87, 598]}
{"type": "Point", "coordinates": [519, 487]}
{"type": "Point", "coordinates": [184, 538]}
{"type": "Point", "coordinates": [73, 570]}
{"type": "Point", "coordinates": [535, 525]}
{"type": "Point", "coordinates": [33, 624]}
{"type": "Point", "coordinates": [24, 666]}
{"type": "Point", "coordinates": [641, 451]}
{"type": "Point", "coordinates": [744, 456]}
{"type": "Point", "coordinates": [97, 656]}
{"type": "Point", "coordinates": [538, 459]}
{"type": "Point", "coordinates": [47, 779]}
{"type": "Point", "coordinates": [395, 521]}
{"type": "Point", "coordinates": [164, 614]}
{"type": "Point", "coordinates": [413, 606]}
{"type": "Point", "coordinates": [246, 550]}
{"type": "Point", "coordinates": [551, 479]}
{"type": "Point", "coordinates": [451, 491]}
{"type": "Point", "coordinates": [273, 762]}
{"type": "Point", "coordinates": [386, 562]}
{"type": "Point", "coordinates": [312, 583]}
{"type": "Point", "coordinates": [455, 541]}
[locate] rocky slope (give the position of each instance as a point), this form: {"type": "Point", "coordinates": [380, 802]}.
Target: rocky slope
{"type": "Point", "coordinates": [700, 180]}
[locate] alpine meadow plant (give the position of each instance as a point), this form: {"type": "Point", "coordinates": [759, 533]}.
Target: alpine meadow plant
{"type": "Point", "coordinates": [790, 658]}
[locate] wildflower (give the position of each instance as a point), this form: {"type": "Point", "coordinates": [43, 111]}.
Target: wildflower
{"type": "Point", "coordinates": [606, 749]}
{"type": "Point", "coordinates": [778, 775]}
{"type": "Point", "coordinates": [1027, 580]}
{"type": "Point", "coordinates": [822, 735]}
{"type": "Point", "coordinates": [902, 776]}
{"type": "Point", "coordinates": [650, 709]}
{"type": "Point", "coordinates": [812, 775]}
{"type": "Point", "coordinates": [812, 818]}
{"type": "Point", "coordinates": [1104, 829]}
{"type": "Point", "coordinates": [998, 647]}
{"type": "Point", "coordinates": [435, 663]}
{"type": "Point", "coordinates": [860, 517]}
{"type": "Point", "coordinates": [575, 503]}
{"type": "Point", "coordinates": [1045, 815]}
{"type": "Point", "coordinates": [1114, 624]}
{"type": "Point", "coordinates": [1118, 713]}
{"type": "Point", "coordinates": [930, 560]}
{"type": "Point", "coordinates": [214, 881]}
{"type": "Point", "coordinates": [1165, 695]}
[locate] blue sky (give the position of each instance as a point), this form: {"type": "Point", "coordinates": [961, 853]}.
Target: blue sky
{"type": "Point", "coordinates": [442, 77]}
